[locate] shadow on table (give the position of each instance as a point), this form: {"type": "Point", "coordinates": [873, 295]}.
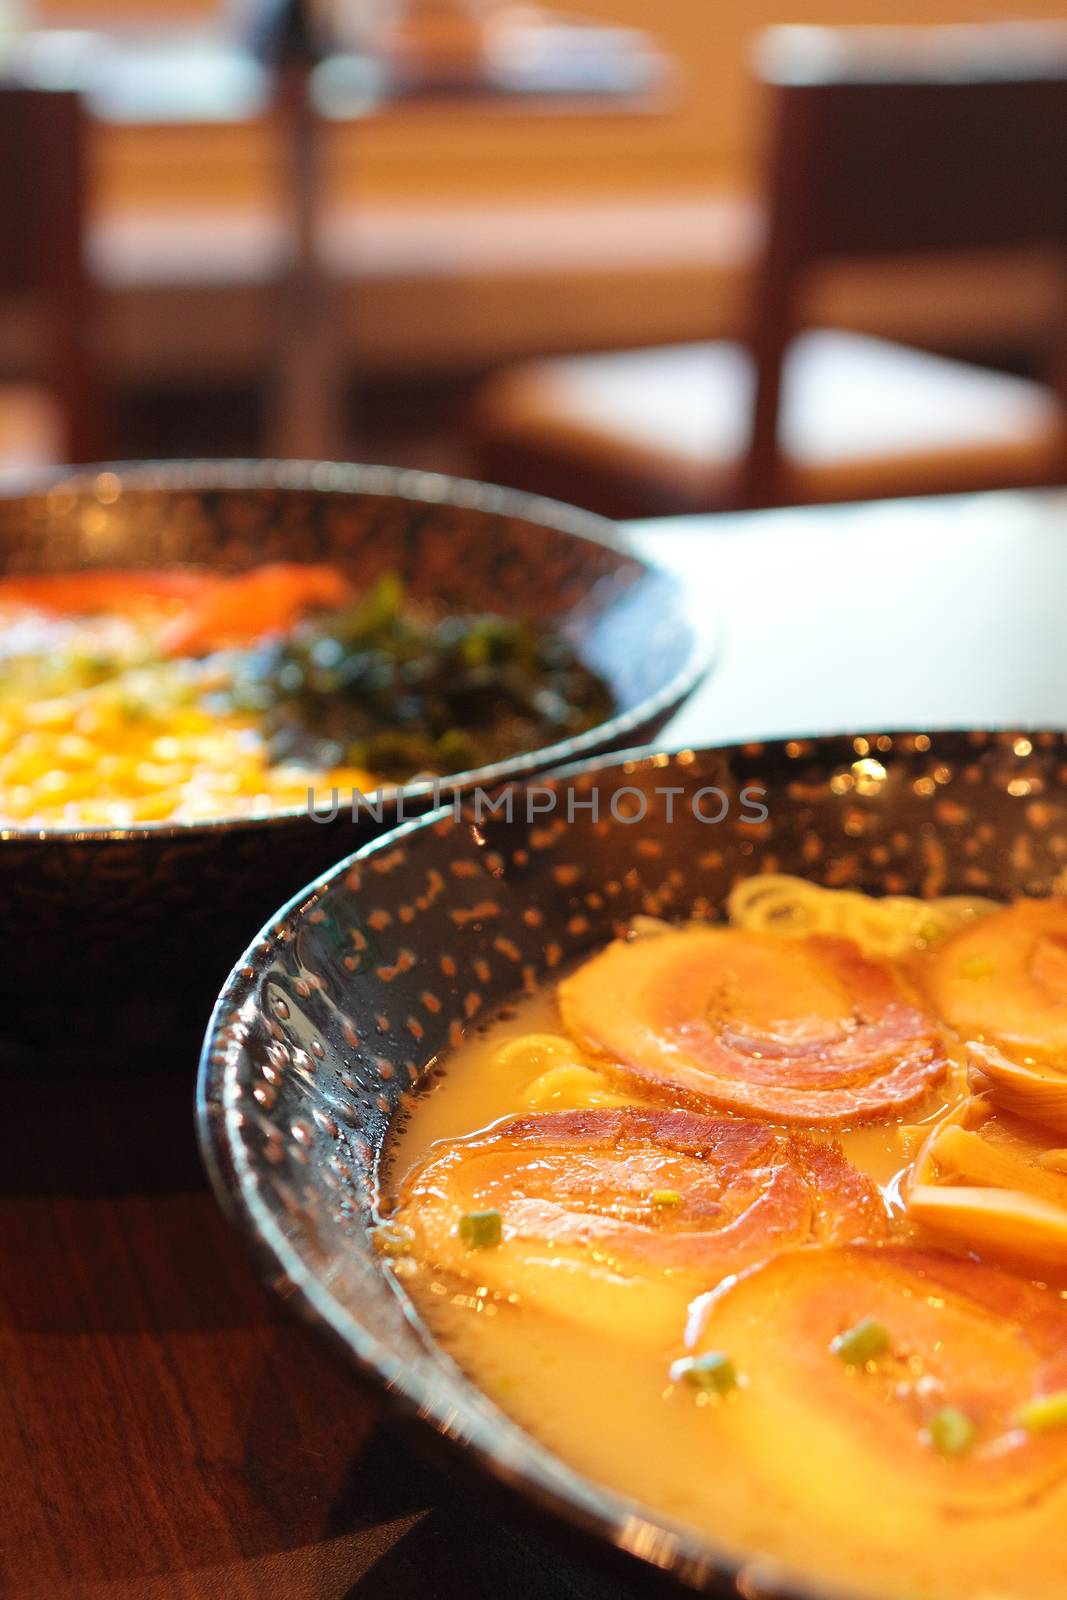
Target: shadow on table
{"type": "Point", "coordinates": [95, 1132]}
{"type": "Point", "coordinates": [453, 1534]}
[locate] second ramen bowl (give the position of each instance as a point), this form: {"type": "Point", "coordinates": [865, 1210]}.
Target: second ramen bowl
{"type": "Point", "coordinates": [367, 980]}
{"type": "Point", "coordinates": [134, 928]}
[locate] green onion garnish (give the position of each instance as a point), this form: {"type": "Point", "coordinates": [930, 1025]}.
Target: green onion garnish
{"type": "Point", "coordinates": [478, 1229]}
{"type": "Point", "coordinates": [714, 1372]}
{"type": "Point", "coordinates": [862, 1343]}
{"type": "Point", "coordinates": [666, 1197]}
{"type": "Point", "coordinates": [951, 1431]}
{"type": "Point", "coordinates": [1041, 1415]}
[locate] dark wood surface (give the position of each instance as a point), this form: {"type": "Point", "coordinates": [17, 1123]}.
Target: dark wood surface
{"type": "Point", "coordinates": [166, 1431]}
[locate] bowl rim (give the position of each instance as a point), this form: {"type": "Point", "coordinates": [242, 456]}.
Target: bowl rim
{"type": "Point", "coordinates": [609, 1516]}
{"type": "Point", "coordinates": [402, 483]}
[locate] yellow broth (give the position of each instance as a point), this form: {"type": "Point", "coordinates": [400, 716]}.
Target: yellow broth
{"type": "Point", "coordinates": [609, 1408]}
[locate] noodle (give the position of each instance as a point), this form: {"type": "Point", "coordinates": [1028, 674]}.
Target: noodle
{"type": "Point", "coordinates": [893, 926]}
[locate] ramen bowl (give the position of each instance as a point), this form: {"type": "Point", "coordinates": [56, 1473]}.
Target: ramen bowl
{"type": "Point", "coordinates": [366, 982]}
{"type": "Point", "coordinates": [138, 924]}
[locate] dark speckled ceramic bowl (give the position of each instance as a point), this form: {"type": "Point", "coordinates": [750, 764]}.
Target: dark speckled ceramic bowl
{"type": "Point", "coordinates": [327, 1025]}
{"type": "Point", "coordinates": [136, 926]}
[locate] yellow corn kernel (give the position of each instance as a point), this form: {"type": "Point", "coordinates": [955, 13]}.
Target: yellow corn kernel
{"type": "Point", "coordinates": [59, 788]}
{"type": "Point", "coordinates": [98, 720]}
{"type": "Point", "coordinates": [158, 807]}
{"type": "Point", "coordinates": [28, 762]}
{"type": "Point", "coordinates": [150, 776]}
{"type": "Point", "coordinates": [48, 713]}
{"type": "Point", "coordinates": [18, 803]}
{"type": "Point", "coordinates": [74, 751]}
{"type": "Point", "coordinates": [189, 720]}
{"type": "Point", "coordinates": [168, 747]}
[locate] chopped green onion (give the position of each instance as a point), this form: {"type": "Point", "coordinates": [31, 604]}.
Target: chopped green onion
{"type": "Point", "coordinates": [713, 1372]}
{"type": "Point", "coordinates": [666, 1197]}
{"type": "Point", "coordinates": [1045, 1413]}
{"type": "Point", "coordinates": [951, 1431]}
{"type": "Point", "coordinates": [478, 1229]}
{"type": "Point", "coordinates": [398, 687]}
{"type": "Point", "coordinates": [976, 967]}
{"type": "Point", "coordinates": [930, 931]}
{"type": "Point", "coordinates": [862, 1343]}
{"type": "Point", "coordinates": [393, 1239]}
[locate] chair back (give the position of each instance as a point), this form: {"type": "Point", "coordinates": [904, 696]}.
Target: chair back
{"type": "Point", "coordinates": [902, 142]}
{"type": "Point", "coordinates": [42, 254]}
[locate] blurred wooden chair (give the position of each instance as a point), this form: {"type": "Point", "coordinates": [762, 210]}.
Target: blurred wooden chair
{"type": "Point", "coordinates": [54, 410]}
{"type": "Point", "coordinates": [887, 143]}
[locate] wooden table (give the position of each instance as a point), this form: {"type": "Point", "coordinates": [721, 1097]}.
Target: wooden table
{"type": "Point", "coordinates": [166, 1433]}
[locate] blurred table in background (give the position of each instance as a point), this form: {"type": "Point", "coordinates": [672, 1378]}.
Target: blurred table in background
{"type": "Point", "coordinates": [455, 51]}
{"type": "Point", "coordinates": [623, 223]}
{"type": "Point", "coordinates": [170, 82]}
{"type": "Point", "coordinates": [165, 1432]}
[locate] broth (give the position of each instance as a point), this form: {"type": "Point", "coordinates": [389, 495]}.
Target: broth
{"type": "Point", "coordinates": [609, 1407]}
